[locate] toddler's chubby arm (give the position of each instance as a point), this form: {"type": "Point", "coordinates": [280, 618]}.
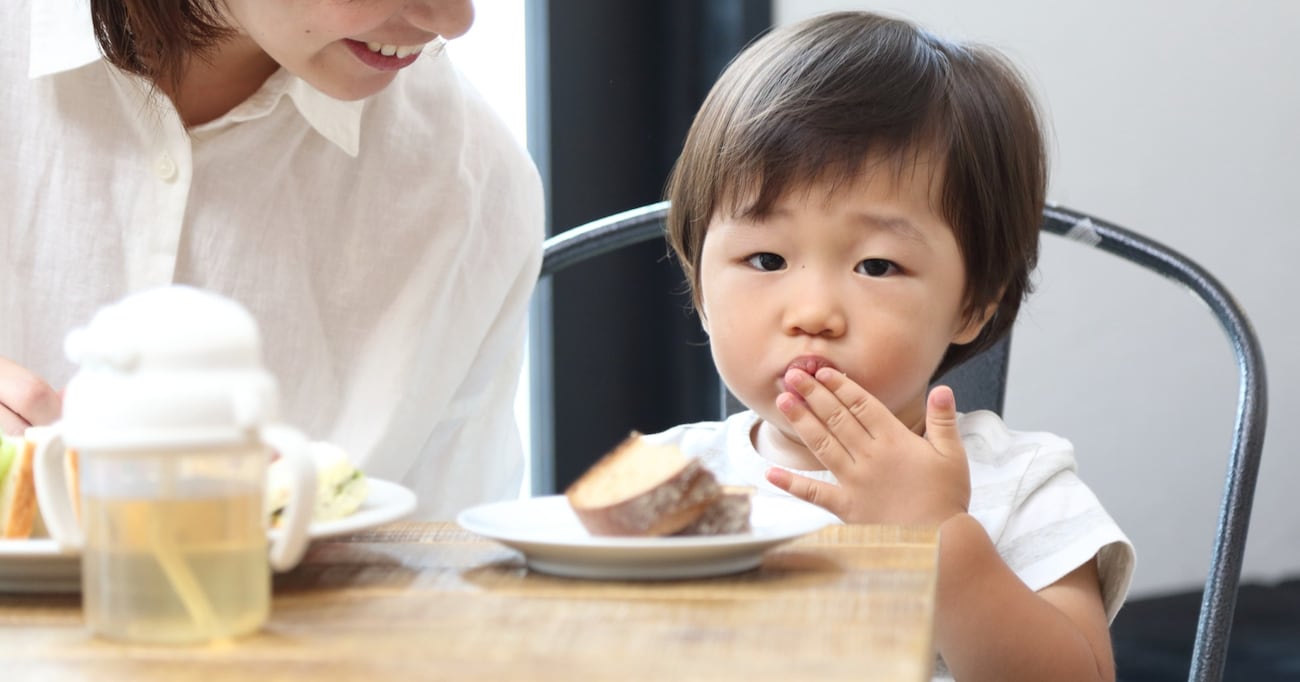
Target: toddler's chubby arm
{"type": "Point", "coordinates": [988, 624]}
{"type": "Point", "coordinates": [25, 399]}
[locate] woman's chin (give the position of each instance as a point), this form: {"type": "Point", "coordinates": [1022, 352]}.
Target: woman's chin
{"type": "Point", "coordinates": [353, 89]}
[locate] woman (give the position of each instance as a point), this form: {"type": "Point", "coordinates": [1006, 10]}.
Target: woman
{"type": "Point", "coordinates": [319, 161]}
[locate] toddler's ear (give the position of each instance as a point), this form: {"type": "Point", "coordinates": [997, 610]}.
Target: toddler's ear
{"type": "Point", "coordinates": [972, 326]}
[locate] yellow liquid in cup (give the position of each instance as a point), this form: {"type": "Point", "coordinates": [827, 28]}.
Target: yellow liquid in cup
{"type": "Point", "coordinates": [175, 570]}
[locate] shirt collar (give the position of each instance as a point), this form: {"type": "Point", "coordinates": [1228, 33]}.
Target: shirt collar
{"type": "Point", "coordinates": [337, 120]}
{"type": "Point", "coordinates": [63, 39]}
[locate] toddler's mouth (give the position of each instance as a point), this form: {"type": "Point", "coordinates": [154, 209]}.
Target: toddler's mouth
{"type": "Point", "coordinates": [807, 363]}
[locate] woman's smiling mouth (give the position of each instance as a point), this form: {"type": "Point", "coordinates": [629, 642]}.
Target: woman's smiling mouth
{"type": "Point", "coordinates": [383, 56]}
{"type": "Point", "coordinates": [398, 51]}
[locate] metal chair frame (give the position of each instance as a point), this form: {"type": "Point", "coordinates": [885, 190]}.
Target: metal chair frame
{"type": "Point", "coordinates": [984, 376]}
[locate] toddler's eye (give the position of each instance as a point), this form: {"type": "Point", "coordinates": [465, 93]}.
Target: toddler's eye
{"type": "Point", "coordinates": [876, 267]}
{"type": "Point", "coordinates": [767, 262]}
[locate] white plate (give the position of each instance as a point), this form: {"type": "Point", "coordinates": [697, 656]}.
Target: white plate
{"type": "Point", "coordinates": [39, 566]}
{"type": "Point", "coordinates": [552, 540]}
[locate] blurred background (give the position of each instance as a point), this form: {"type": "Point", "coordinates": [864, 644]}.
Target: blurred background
{"type": "Point", "coordinates": [1174, 119]}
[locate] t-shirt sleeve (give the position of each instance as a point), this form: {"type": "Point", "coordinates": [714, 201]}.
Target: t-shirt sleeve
{"type": "Point", "coordinates": [1056, 523]}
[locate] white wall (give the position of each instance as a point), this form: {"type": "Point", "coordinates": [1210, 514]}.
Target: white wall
{"type": "Point", "coordinates": [1175, 119]}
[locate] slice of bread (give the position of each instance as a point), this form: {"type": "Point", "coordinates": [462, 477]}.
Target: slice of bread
{"type": "Point", "coordinates": [728, 514]}
{"type": "Point", "coordinates": [642, 489]}
{"type": "Point", "coordinates": [18, 512]}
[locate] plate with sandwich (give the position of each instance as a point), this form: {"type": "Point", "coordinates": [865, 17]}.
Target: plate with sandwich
{"type": "Point", "coordinates": [347, 501]}
{"type": "Point", "coordinates": [646, 512]}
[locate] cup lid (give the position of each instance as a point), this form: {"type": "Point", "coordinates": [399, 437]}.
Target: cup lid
{"type": "Point", "coordinates": [165, 367]}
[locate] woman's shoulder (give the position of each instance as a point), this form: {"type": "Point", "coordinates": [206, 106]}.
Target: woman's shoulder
{"type": "Point", "coordinates": [432, 127]}
{"type": "Point", "coordinates": [15, 47]}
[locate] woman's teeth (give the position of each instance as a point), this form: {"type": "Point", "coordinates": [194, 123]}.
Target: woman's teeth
{"type": "Point", "coordinates": [398, 51]}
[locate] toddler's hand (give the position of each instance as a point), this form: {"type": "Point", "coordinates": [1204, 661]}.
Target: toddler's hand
{"type": "Point", "coordinates": [886, 473]}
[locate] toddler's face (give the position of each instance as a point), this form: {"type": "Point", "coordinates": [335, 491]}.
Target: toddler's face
{"type": "Point", "coordinates": [332, 43]}
{"type": "Point", "coordinates": [868, 279]}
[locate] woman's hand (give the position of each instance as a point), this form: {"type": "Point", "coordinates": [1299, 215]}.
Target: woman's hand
{"type": "Point", "coordinates": [886, 473]}
{"type": "Point", "coordinates": [25, 399]}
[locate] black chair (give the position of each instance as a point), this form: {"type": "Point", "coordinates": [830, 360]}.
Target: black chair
{"type": "Point", "coordinates": [981, 381]}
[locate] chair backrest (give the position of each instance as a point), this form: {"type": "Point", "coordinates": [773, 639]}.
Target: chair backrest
{"type": "Point", "coordinates": [981, 383]}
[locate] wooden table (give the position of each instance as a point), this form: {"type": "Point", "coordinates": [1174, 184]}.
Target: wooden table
{"type": "Point", "coordinates": [428, 601]}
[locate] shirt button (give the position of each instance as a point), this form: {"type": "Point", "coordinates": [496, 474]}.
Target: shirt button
{"type": "Point", "coordinates": [164, 167]}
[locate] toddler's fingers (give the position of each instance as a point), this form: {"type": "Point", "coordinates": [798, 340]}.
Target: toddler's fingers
{"type": "Point", "coordinates": [867, 411]}
{"type": "Point", "coordinates": [826, 426]}
{"type": "Point", "coordinates": [941, 421]}
{"type": "Point", "coordinates": [824, 495]}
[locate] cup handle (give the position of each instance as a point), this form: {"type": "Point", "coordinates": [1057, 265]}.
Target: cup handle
{"type": "Point", "coordinates": [52, 489]}
{"type": "Point", "coordinates": [288, 546]}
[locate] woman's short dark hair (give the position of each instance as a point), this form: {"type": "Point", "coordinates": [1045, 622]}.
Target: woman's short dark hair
{"type": "Point", "coordinates": [818, 100]}
{"type": "Point", "coordinates": [157, 38]}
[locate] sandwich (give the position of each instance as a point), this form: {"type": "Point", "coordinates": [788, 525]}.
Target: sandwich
{"type": "Point", "coordinates": [644, 489]}
{"type": "Point", "coordinates": [340, 486]}
{"type": "Point", "coordinates": [19, 515]}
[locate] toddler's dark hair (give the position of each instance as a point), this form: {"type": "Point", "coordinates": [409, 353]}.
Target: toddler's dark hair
{"type": "Point", "coordinates": [816, 101]}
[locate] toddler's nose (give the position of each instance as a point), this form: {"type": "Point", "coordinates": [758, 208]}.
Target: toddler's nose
{"type": "Point", "coordinates": [814, 309]}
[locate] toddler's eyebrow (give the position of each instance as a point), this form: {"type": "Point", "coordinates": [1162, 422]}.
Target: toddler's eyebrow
{"type": "Point", "coordinates": [897, 224]}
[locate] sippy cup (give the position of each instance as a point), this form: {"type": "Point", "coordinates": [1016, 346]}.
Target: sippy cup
{"type": "Point", "coordinates": [171, 419]}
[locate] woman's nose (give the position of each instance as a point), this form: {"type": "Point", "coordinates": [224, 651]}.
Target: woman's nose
{"type": "Point", "coordinates": [448, 18]}
{"type": "Point", "coordinates": [813, 308]}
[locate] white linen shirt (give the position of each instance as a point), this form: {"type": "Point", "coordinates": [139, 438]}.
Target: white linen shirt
{"type": "Point", "coordinates": [387, 247]}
